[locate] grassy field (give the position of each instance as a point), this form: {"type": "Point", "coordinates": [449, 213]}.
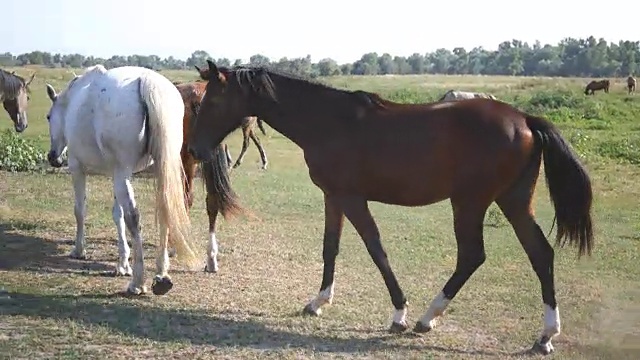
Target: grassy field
{"type": "Point", "coordinates": [56, 307]}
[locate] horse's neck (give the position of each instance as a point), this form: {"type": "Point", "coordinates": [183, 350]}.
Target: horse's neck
{"type": "Point", "coordinates": [290, 114]}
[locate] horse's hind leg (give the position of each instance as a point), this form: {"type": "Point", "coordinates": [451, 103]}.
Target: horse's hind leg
{"type": "Point", "coordinates": [125, 197]}
{"type": "Point", "coordinates": [516, 206]}
{"type": "Point", "coordinates": [263, 154]}
{"type": "Point", "coordinates": [79, 180]}
{"type": "Point", "coordinates": [245, 145]}
{"type": "Point", "coordinates": [228, 154]}
{"type": "Point", "coordinates": [122, 268]}
{"type": "Point", "coordinates": [468, 226]}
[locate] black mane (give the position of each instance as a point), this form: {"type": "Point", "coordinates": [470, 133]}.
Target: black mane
{"type": "Point", "coordinates": [259, 79]}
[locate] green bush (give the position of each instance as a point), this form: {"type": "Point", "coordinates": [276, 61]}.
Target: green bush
{"type": "Point", "coordinates": [624, 150]}
{"type": "Point", "coordinates": [18, 153]}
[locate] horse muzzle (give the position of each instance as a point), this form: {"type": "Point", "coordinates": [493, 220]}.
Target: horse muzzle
{"type": "Point", "coordinates": [54, 159]}
{"type": "Point", "coordinates": [20, 127]}
{"type": "Point", "coordinates": [21, 124]}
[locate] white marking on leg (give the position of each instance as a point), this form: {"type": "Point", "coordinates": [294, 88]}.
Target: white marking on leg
{"type": "Point", "coordinates": [551, 327]}
{"type": "Point", "coordinates": [325, 296]}
{"type": "Point", "coordinates": [122, 268]}
{"type": "Point", "coordinates": [162, 259]}
{"type": "Point", "coordinates": [400, 316]}
{"type": "Point", "coordinates": [435, 310]}
{"type": "Point", "coordinates": [79, 180]}
{"type": "Point", "coordinates": [212, 253]}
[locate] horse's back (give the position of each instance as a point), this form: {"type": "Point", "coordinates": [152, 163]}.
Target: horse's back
{"type": "Point", "coordinates": [118, 115]}
{"type": "Point", "coordinates": [442, 138]}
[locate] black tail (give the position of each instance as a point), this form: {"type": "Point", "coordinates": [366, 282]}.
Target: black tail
{"type": "Point", "coordinates": [216, 178]}
{"type": "Point", "coordinates": [261, 126]}
{"type": "Point", "coordinates": [569, 187]}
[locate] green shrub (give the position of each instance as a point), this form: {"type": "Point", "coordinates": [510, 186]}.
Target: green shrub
{"type": "Point", "coordinates": [624, 150]}
{"type": "Point", "coordinates": [18, 153]}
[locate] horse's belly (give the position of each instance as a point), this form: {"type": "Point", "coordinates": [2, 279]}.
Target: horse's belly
{"type": "Point", "coordinates": [405, 191]}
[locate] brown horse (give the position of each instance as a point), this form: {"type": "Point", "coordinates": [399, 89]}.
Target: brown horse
{"type": "Point", "coordinates": [220, 196]}
{"type": "Point", "coordinates": [597, 85]}
{"type": "Point", "coordinates": [473, 152]}
{"type": "Point", "coordinates": [248, 124]}
{"type": "Point", "coordinates": [631, 84]}
{"type": "Point", "coordinates": [14, 95]}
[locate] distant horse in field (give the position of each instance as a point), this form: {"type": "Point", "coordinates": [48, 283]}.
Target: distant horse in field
{"type": "Point", "coordinates": [118, 122]}
{"type": "Point", "coordinates": [473, 152]}
{"type": "Point", "coordinates": [14, 94]}
{"type": "Point", "coordinates": [631, 84]}
{"type": "Point", "coordinates": [597, 85]}
{"type": "Point", "coordinates": [459, 95]}
{"type": "Point", "coordinates": [220, 197]}
{"type": "Point", "coordinates": [247, 125]}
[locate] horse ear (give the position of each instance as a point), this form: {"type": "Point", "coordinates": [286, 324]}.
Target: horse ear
{"type": "Point", "coordinates": [33, 76]}
{"type": "Point", "coordinates": [51, 92]}
{"type": "Point", "coordinates": [197, 68]}
{"type": "Point", "coordinates": [213, 69]}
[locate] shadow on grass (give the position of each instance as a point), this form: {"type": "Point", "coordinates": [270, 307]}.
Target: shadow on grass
{"type": "Point", "coordinates": [252, 331]}
{"type": "Point", "coordinates": [31, 253]}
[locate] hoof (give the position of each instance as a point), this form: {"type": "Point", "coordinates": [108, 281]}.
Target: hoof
{"type": "Point", "coordinates": [136, 291]}
{"type": "Point", "coordinates": [172, 252]}
{"type": "Point", "coordinates": [123, 271]}
{"type": "Point", "coordinates": [540, 348]}
{"type": "Point", "coordinates": [397, 328]}
{"type": "Point", "coordinates": [161, 285]}
{"type": "Point", "coordinates": [119, 273]}
{"type": "Point", "coordinates": [264, 167]}
{"type": "Point", "coordinates": [79, 256]}
{"type": "Point", "coordinates": [210, 269]}
{"type": "Point", "coordinates": [309, 311]}
{"type": "Point", "coordinates": [421, 328]}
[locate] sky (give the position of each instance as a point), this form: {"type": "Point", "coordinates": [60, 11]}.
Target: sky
{"type": "Point", "coordinates": [343, 30]}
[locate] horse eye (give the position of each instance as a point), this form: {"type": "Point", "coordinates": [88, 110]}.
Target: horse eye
{"type": "Point", "coordinates": [48, 117]}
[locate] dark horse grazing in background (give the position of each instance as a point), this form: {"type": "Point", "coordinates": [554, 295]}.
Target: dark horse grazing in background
{"type": "Point", "coordinates": [631, 84]}
{"type": "Point", "coordinates": [14, 95]}
{"type": "Point", "coordinates": [248, 124]}
{"type": "Point", "coordinates": [220, 197]}
{"type": "Point", "coordinates": [473, 152]}
{"type": "Point", "coordinates": [597, 85]}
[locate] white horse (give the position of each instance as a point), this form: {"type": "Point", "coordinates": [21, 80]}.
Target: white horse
{"type": "Point", "coordinates": [119, 122]}
{"type": "Point", "coordinates": [459, 95]}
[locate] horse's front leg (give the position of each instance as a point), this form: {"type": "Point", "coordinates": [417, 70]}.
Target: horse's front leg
{"type": "Point", "coordinates": [79, 180]}
{"type": "Point", "coordinates": [126, 200]}
{"type": "Point", "coordinates": [357, 211]}
{"type": "Point", "coordinates": [212, 248]}
{"type": "Point", "coordinates": [333, 224]}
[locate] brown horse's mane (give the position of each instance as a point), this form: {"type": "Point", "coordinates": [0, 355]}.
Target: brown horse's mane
{"type": "Point", "coordinates": [259, 80]}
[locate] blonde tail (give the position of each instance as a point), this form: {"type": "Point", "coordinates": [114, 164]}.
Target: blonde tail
{"type": "Point", "coordinates": [165, 110]}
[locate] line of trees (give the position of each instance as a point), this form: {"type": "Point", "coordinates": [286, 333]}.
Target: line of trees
{"type": "Point", "coordinates": [588, 57]}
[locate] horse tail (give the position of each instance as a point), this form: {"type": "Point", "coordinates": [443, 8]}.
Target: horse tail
{"type": "Point", "coordinates": [261, 126]}
{"type": "Point", "coordinates": [165, 110]}
{"type": "Point", "coordinates": [216, 179]}
{"type": "Point", "coordinates": [569, 187]}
